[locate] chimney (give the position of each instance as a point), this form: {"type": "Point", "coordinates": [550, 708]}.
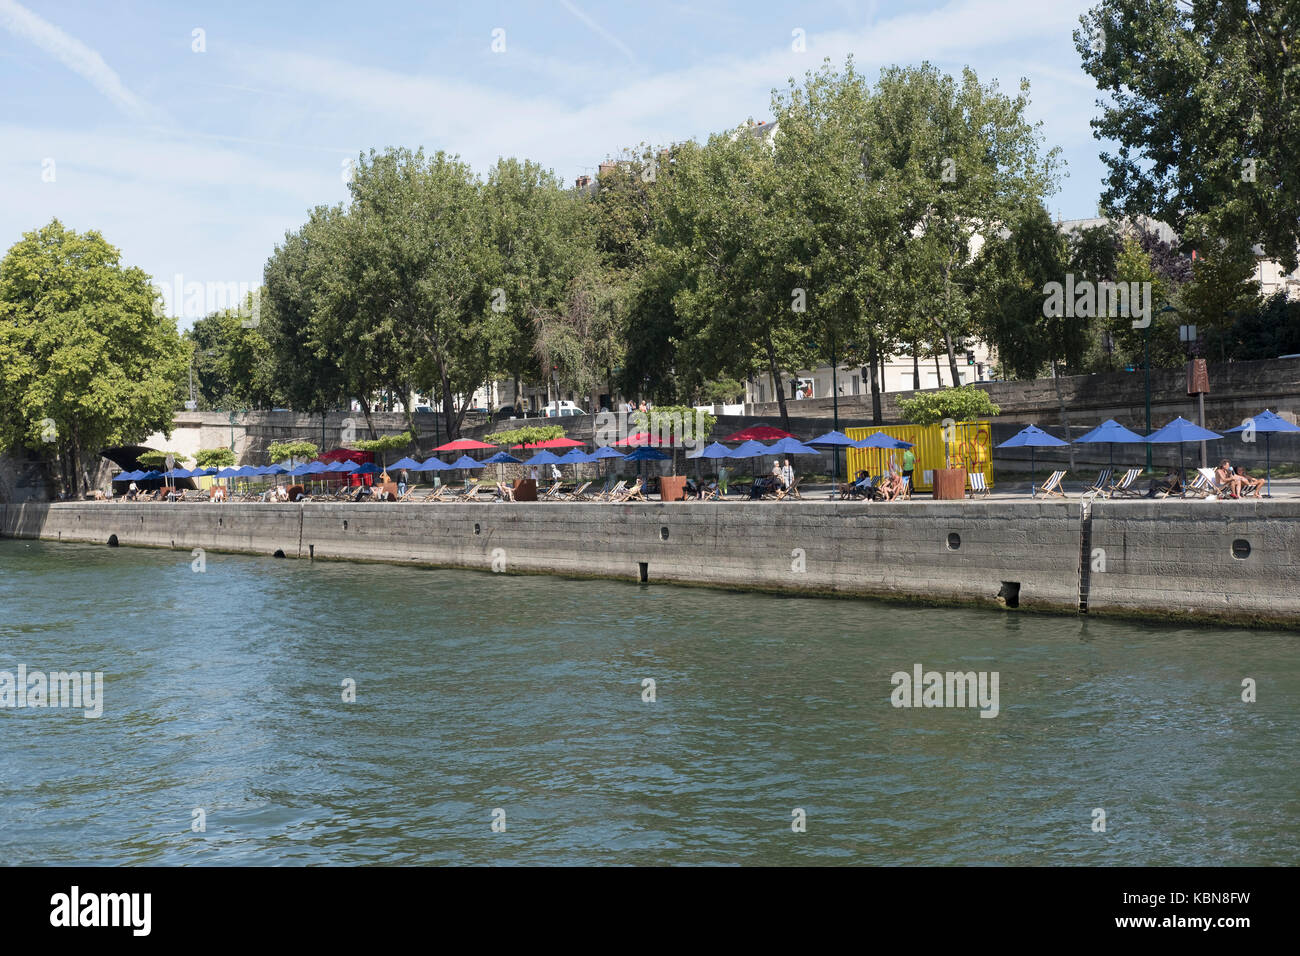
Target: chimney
{"type": "Point", "coordinates": [583, 182]}
{"type": "Point", "coordinates": [606, 167]}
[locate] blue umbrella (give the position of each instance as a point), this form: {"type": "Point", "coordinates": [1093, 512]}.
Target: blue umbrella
{"type": "Point", "coordinates": [410, 464]}
{"type": "Point", "coordinates": [791, 446]}
{"type": "Point", "coordinates": [544, 458]}
{"type": "Point", "coordinates": [749, 449]}
{"type": "Point", "coordinates": [125, 476]}
{"type": "Point", "coordinates": [646, 453]}
{"type": "Point", "coordinates": [605, 451]}
{"type": "Point", "coordinates": [715, 450]}
{"type": "Point", "coordinates": [1110, 432]}
{"type": "Point", "coordinates": [300, 470]}
{"type": "Point", "coordinates": [248, 471]}
{"type": "Point", "coordinates": [227, 472]}
{"type": "Point", "coordinates": [151, 476]}
{"type": "Point", "coordinates": [203, 472]}
{"type": "Point", "coordinates": [464, 461]}
{"type": "Point", "coordinates": [369, 468]}
{"type": "Point", "coordinates": [575, 456]}
{"type": "Point", "coordinates": [276, 470]}
{"type": "Point", "coordinates": [881, 440]}
{"type": "Point", "coordinates": [1267, 423]}
{"type": "Point", "coordinates": [435, 464]}
{"type": "Point", "coordinates": [502, 458]}
{"type": "Point", "coordinates": [1031, 437]}
{"type": "Point", "coordinates": [347, 467]}
{"type": "Point", "coordinates": [1178, 431]}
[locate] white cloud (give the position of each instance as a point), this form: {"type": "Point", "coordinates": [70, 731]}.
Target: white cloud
{"type": "Point", "coordinates": [75, 55]}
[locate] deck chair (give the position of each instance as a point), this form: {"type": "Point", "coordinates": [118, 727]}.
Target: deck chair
{"type": "Point", "coordinates": [628, 494]}
{"type": "Point", "coordinates": [1124, 487]}
{"type": "Point", "coordinates": [470, 492]}
{"type": "Point", "coordinates": [1099, 486]}
{"type": "Point", "coordinates": [1051, 488]}
{"type": "Point", "coordinates": [615, 491]}
{"type": "Point", "coordinates": [978, 486]}
{"type": "Point", "coordinates": [441, 493]}
{"type": "Point", "coordinates": [504, 492]}
{"type": "Point", "coordinates": [1203, 485]}
{"type": "Point", "coordinates": [552, 493]}
{"type": "Point", "coordinates": [579, 493]}
{"type": "Point", "coordinates": [791, 492]}
{"type": "Point", "coordinates": [410, 493]}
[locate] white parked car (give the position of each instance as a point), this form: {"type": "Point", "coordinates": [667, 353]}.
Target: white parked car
{"type": "Point", "coordinates": [561, 410]}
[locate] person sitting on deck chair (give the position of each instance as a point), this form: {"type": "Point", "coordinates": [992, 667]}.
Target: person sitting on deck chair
{"type": "Point", "coordinates": [1228, 479]}
{"type": "Point", "coordinates": [1170, 484]}
{"type": "Point", "coordinates": [1247, 482]}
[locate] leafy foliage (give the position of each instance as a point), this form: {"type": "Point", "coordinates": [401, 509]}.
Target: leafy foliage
{"type": "Point", "coordinates": [963, 404]}
{"type": "Point", "coordinates": [87, 361]}
{"type": "Point", "coordinates": [157, 460]}
{"type": "Point", "coordinates": [387, 443]}
{"type": "Point", "coordinates": [526, 435]}
{"type": "Point", "coordinates": [214, 458]}
{"type": "Point", "coordinates": [284, 450]}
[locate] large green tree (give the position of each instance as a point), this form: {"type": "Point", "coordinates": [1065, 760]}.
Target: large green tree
{"type": "Point", "coordinates": [87, 360]}
{"type": "Point", "coordinates": [1203, 100]}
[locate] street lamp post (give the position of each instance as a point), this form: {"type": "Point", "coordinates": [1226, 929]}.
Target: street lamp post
{"type": "Point", "coordinates": [1146, 336]}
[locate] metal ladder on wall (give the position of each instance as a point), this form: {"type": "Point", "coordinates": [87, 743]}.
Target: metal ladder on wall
{"type": "Point", "coordinates": [1085, 553]}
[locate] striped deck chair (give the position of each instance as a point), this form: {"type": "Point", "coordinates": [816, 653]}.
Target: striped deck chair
{"type": "Point", "coordinates": [978, 486]}
{"type": "Point", "coordinates": [628, 494]}
{"type": "Point", "coordinates": [1051, 488]}
{"type": "Point", "coordinates": [791, 492]}
{"type": "Point", "coordinates": [612, 491]}
{"type": "Point", "coordinates": [1203, 485]}
{"type": "Point", "coordinates": [1124, 487]}
{"type": "Point", "coordinates": [579, 493]}
{"type": "Point", "coordinates": [469, 493]}
{"type": "Point", "coordinates": [1100, 485]}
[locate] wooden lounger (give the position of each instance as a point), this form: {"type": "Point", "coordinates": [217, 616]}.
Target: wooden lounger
{"type": "Point", "coordinates": [1124, 487]}
{"type": "Point", "coordinates": [579, 493]}
{"type": "Point", "coordinates": [791, 492]}
{"type": "Point", "coordinates": [1051, 488]}
{"type": "Point", "coordinates": [628, 494]}
{"type": "Point", "coordinates": [1099, 486]}
{"type": "Point", "coordinates": [614, 493]}
{"type": "Point", "coordinates": [438, 494]}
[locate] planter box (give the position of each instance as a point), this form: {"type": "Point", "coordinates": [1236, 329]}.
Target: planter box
{"type": "Point", "coordinates": [949, 484]}
{"type": "Point", "coordinates": [525, 489]}
{"type": "Point", "coordinates": [672, 489]}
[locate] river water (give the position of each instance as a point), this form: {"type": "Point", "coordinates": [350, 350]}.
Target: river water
{"type": "Point", "coordinates": [485, 699]}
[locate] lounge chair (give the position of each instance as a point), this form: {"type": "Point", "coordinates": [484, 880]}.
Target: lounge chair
{"type": "Point", "coordinates": [1124, 487]}
{"type": "Point", "coordinates": [552, 493]}
{"type": "Point", "coordinates": [440, 493]}
{"type": "Point", "coordinates": [579, 493]}
{"type": "Point", "coordinates": [978, 486]}
{"type": "Point", "coordinates": [1204, 485]}
{"type": "Point", "coordinates": [469, 493]}
{"type": "Point", "coordinates": [791, 492]}
{"type": "Point", "coordinates": [629, 494]}
{"type": "Point", "coordinates": [616, 491]}
{"type": "Point", "coordinates": [1051, 488]}
{"type": "Point", "coordinates": [1099, 486]}
{"type": "Point", "coordinates": [504, 492]}
{"type": "Point", "coordinates": [411, 491]}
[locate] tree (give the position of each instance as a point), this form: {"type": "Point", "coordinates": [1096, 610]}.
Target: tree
{"type": "Point", "coordinates": [305, 366]}
{"type": "Point", "coordinates": [214, 458]}
{"type": "Point", "coordinates": [233, 363]}
{"type": "Point", "coordinates": [962, 403]}
{"type": "Point", "coordinates": [1202, 100]}
{"type": "Point", "coordinates": [87, 359]}
{"type": "Point", "coordinates": [1222, 287]}
{"type": "Point", "coordinates": [285, 450]}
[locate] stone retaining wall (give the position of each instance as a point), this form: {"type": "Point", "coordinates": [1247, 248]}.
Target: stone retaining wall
{"type": "Point", "coordinates": [1161, 559]}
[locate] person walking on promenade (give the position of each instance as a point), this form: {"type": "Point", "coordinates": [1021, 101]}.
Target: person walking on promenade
{"type": "Point", "coordinates": [723, 477]}
{"type": "Point", "coordinates": [909, 465]}
{"type": "Point", "coordinates": [401, 483]}
{"type": "Point", "coordinates": [787, 474]}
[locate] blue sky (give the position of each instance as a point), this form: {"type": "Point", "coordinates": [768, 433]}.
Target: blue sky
{"type": "Point", "coordinates": [197, 163]}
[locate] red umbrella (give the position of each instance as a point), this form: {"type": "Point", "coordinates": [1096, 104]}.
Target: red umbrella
{"type": "Point", "coordinates": [463, 444]}
{"type": "Point", "coordinates": [553, 443]}
{"type": "Point", "coordinates": [758, 433]}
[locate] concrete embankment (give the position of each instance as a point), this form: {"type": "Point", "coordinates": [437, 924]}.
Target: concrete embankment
{"type": "Point", "coordinates": [1234, 560]}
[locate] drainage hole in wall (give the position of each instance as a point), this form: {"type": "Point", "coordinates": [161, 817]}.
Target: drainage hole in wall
{"type": "Point", "coordinates": [278, 554]}
{"type": "Point", "coordinates": [1241, 548]}
{"type": "Point", "coordinates": [345, 525]}
{"type": "Point", "coordinates": [954, 541]}
{"type": "Point", "coordinates": [663, 533]}
{"type": "Point", "coordinates": [645, 571]}
{"type": "Point", "coordinates": [112, 541]}
{"type": "Point", "coordinates": [1010, 593]}
{"type": "Point", "coordinates": [477, 529]}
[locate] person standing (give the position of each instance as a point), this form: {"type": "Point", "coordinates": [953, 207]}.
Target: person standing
{"type": "Point", "coordinates": [401, 483]}
{"type": "Point", "coordinates": [909, 465]}
{"type": "Point", "coordinates": [787, 474]}
{"type": "Point", "coordinates": [723, 477]}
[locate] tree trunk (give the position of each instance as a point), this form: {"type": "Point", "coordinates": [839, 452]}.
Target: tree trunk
{"type": "Point", "coordinates": [916, 365]}
{"type": "Point", "coordinates": [370, 425]}
{"type": "Point", "coordinates": [449, 416]}
{"type": "Point", "coordinates": [872, 363]}
{"type": "Point", "coordinates": [780, 386]}
{"type": "Point", "coordinates": [938, 372]}
{"type": "Point", "coordinates": [1065, 415]}
{"type": "Point", "coordinates": [952, 359]}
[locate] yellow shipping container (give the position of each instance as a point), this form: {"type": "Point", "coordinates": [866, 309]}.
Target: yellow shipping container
{"type": "Point", "coordinates": [971, 447]}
